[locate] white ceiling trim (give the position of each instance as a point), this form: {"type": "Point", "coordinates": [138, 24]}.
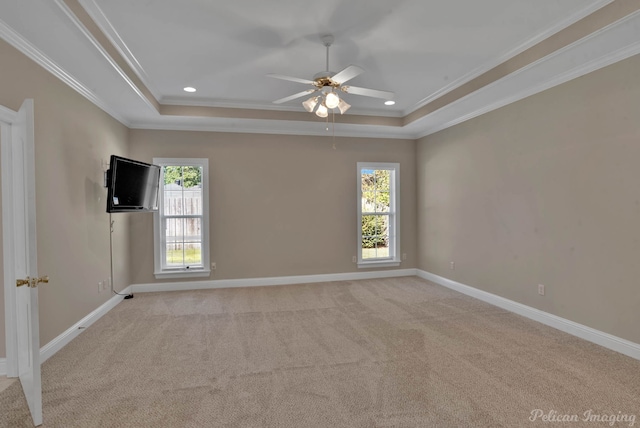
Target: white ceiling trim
{"type": "Point", "coordinates": [110, 32]}
{"type": "Point", "coordinates": [509, 54]}
{"type": "Point", "coordinates": [256, 105]}
{"type": "Point", "coordinates": [98, 16]}
{"type": "Point", "coordinates": [257, 126]}
{"type": "Point", "coordinates": [18, 42]}
{"type": "Point", "coordinates": [606, 46]}
{"type": "Point", "coordinates": [61, 4]}
{"type": "Point", "coordinates": [200, 102]}
{"type": "Point", "coordinates": [618, 42]}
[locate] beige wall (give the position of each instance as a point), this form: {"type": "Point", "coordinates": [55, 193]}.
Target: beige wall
{"type": "Point", "coordinates": [280, 205]}
{"type": "Point", "coordinates": [72, 137]}
{"type": "Point", "coordinates": [305, 188]}
{"type": "Point", "coordinates": [544, 191]}
{"type": "Point", "coordinates": [3, 351]}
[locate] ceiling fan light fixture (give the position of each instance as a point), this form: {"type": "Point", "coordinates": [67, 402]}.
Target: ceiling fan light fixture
{"type": "Point", "coordinates": [332, 100]}
{"type": "Point", "coordinates": [310, 104]}
{"type": "Point", "coordinates": [322, 111]}
{"type": "Point", "coordinates": [326, 85]}
{"type": "Point", "coordinates": [343, 106]}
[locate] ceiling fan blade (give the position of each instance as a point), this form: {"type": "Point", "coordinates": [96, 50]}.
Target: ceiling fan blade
{"type": "Point", "coordinates": [368, 92]}
{"type": "Point", "coordinates": [294, 96]}
{"type": "Point", "coordinates": [347, 74]}
{"type": "Point", "coordinates": [292, 79]}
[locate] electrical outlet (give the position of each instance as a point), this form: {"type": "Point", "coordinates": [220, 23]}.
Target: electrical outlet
{"type": "Point", "coordinates": [100, 287]}
{"type": "Point", "coordinates": [452, 265]}
{"type": "Point", "coordinates": [404, 256]}
{"type": "Point", "coordinates": [213, 266]}
{"type": "Point", "coordinates": [541, 289]}
{"type": "Point", "coordinates": [354, 259]}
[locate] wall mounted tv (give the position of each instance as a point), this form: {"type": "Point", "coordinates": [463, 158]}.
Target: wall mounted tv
{"type": "Point", "coordinates": [132, 186]}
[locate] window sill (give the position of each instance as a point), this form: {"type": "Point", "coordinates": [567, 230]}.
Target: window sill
{"type": "Point", "coordinates": [378, 264]}
{"type": "Point", "coordinates": [182, 273]}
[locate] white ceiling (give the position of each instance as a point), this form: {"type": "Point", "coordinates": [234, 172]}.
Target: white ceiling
{"type": "Point", "coordinates": [417, 49]}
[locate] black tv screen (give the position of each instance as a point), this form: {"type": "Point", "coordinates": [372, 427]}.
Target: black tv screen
{"type": "Point", "coordinates": [132, 186]}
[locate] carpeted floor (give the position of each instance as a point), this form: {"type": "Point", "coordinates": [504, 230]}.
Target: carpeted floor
{"type": "Point", "coordinates": [399, 352]}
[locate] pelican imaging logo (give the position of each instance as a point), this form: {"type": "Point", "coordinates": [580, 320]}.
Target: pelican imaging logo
{"type": "Point", "coordinates": [588, 416]}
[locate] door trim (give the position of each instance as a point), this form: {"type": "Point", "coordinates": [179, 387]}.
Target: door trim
{"type": "Point", "coordinates": [7, 119]}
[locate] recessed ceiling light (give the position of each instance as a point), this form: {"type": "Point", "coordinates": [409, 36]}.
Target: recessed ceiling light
{"type": "Point", "coordinates": [389, 103]}
{"type": "Point", "coordinates": [189, 89]}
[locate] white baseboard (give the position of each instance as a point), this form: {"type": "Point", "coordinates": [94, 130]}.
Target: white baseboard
{"type": "Point", "coordinates": [72, 332]}
{"type": "Point", "coordinates": [277, 280]}
{"type": "Point", "coordinates": [603, 339]}
{"type": "Point", "coordinates": [48, 350]}
{"type": "Point", "coordinates": [606, 340]}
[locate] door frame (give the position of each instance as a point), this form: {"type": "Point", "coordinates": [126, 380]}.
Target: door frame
{"type": "Point", "coordinates": [8, 133]}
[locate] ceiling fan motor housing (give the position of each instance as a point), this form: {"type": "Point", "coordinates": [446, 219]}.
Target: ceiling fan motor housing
{"type": "Point", "coordinates": [322, 79]}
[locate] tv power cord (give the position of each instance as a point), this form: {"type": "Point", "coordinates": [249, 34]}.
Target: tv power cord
{"type": "Point", "coordinates": [126, 296]}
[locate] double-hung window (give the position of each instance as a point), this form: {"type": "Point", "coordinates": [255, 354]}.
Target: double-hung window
{"type": "Point", "coordinates": [378, 214]}
{"type": "Point", "coordinates": [181, 225]}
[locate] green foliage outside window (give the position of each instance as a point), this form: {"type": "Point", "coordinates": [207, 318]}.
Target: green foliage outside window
{"type": "Point", "coordinates": [374, 232]}
{"type": "Point", "coordinates": [185, 176]}
{"type": "Point", "coordinates": [375, 199]}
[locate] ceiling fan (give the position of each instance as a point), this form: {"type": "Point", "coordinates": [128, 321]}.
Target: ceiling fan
{"type": "Point", "coordinates": [327, 84]}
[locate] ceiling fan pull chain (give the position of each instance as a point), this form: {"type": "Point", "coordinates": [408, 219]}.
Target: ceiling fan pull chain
{"type": "Point", "coordinates": [334, 129]}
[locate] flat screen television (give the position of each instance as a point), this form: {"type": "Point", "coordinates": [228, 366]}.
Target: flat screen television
{"type": "Point", "coordinates": [132, 185]}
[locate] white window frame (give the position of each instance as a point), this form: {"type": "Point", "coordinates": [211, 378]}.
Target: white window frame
{"type": "Point", "coordinates": [394, 215]}
{"type": "Point", "coordinates": [159, 234]}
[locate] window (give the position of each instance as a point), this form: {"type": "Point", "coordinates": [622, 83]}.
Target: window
{"type": "Point", "coordinates": [181, 225]}
{"type": "Point", "coordinates": [378, 214]}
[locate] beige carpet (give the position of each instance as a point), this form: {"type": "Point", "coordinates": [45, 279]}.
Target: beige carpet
{"type": "Point", "coordinates": [396, 352]}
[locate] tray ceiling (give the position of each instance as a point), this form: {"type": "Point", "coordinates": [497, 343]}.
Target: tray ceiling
{"type": "Point", "coordinates": [445, 60]}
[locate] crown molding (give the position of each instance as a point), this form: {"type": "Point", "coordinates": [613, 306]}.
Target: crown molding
{"type": "Point", "coordinates": [206, 102]}
{"type": "Point", "coordinates": [509, 54]}
{"type": "Point", "coordinates": [74, 18]}
{"type": "Point", "coordinates": [256, 126]}
{"type": "Point", "coordinates": [21, 44]}
{"type": "Point", "coordinates": [101, 20]}
{"type": "Point", "coordinates": [107, 29]}
{"type": "Point", "coordinates": [257, 105]}
{"type": "Point", "coordinates": [611, 56]}
{"type": "Point", "coordinates": [506, 90]}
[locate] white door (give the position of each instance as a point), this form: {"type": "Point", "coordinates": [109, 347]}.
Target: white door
{"type": "Point", "coordinates": [18, 163]}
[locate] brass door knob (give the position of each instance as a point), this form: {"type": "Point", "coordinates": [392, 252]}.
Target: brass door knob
{"type": "Point", "coordinates": [31, 282]}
